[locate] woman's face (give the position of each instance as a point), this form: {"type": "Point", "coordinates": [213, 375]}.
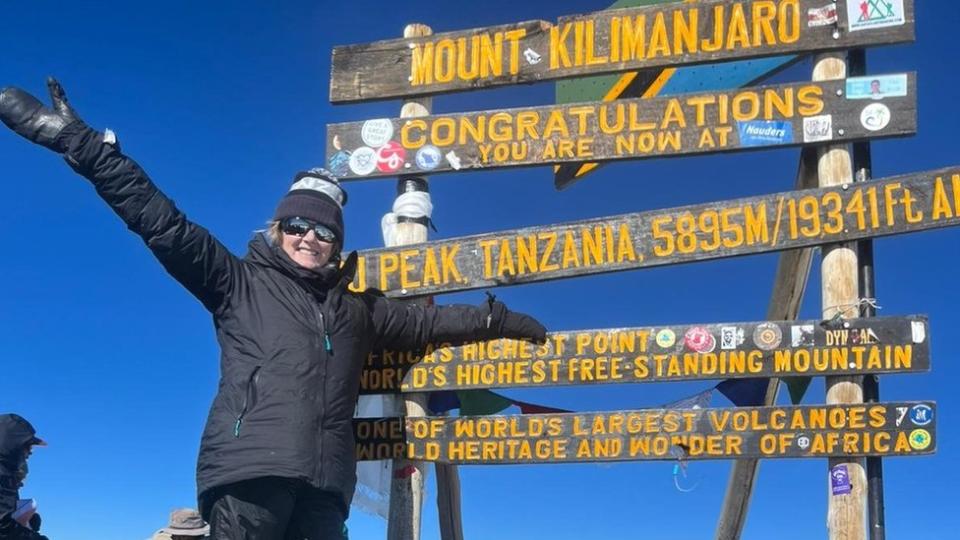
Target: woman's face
{"type": "Point", "coordinates": [308, 251]}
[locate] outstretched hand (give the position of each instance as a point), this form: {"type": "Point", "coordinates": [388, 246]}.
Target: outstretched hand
{"type": "Point", "coordinates": [27, 116]}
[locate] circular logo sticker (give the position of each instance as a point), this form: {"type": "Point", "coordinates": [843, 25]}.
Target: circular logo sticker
{"type": "Point", "coordinates": [376, 132]}
{"type": "Point", "coordinates": [920, 439]}
{"type": "Point", "coordinates": [363, 161]}
{"type": "Point", "coordinates": [767, 336]}
{"type": "Point", "coordinates": [921, 415]}
{"type": "Point", "coordinates": [698, 339]}
{"type": "Point", "coordinates": [339, 163]}
{"type": "Point", "coordinates": [428, 157]}
{"type": "Point", "coordinates": [803, 442]}
{"type": "Point", "coordinates": [391, 157]}
{"type": "Point", "coordinates": [875, 116]}
{"type": "Point", "coordinates": [666, 338]}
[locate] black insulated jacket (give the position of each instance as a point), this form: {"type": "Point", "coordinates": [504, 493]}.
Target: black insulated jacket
{"type": "Point", "coordinates": [292, 341]}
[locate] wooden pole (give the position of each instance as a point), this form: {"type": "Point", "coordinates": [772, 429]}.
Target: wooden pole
{"type": "Point", "coordinates": [789, 285]}
{"type": "Point", "coordinates": [406, 485]}
{"type": "Point", "coordinates": [846, 479]}
{"type": "Point", "coordinates": [863, 167]}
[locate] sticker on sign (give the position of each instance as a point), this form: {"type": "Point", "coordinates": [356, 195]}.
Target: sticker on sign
{"type": "Point", "coordinates": [818, 128]}
{"type": "Point", "coordinates": [870, 14]}
{"type": "Point", "coordinates": [822, 16]}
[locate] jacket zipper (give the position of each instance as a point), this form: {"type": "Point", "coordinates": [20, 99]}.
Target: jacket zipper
{"type": "Point", "coordinates": [328, 347]}
{"type": "Point", "coordinates": [327, 344]}
{"type": "Point", "coordinates": [247, 402]}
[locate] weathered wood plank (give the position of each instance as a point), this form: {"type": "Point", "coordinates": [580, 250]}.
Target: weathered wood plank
{"type": "Point", "coordinates": [887, 429]}
{"type": "Point", "coordinates": [753, 118]}
{"type": "Point", "coordinates": [783, 221]}
{"type": "Point", "coordinates": [659, 354]}
{"type": "Point", "coordinates": [607, 42]}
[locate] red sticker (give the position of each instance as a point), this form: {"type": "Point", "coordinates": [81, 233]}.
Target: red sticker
{"type": "Point", "coordinates": [391, 157]}
{"type": "Point", "coordinates": [697, 339]}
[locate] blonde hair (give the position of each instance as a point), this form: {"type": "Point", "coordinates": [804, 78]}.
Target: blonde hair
{"type": "Point", "coordinates": [273, 232]}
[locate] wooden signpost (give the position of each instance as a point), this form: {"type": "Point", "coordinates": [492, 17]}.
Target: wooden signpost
{"type": "Point", "coordinates": [909, 203]}
{"type": "Point", "coordinates": [607, 42]}
{"type": "Point", "coordinates": [887, 429]}
{"type": "Point", "coordinates": [658, 354]}
{"type": "Point", "coordinates": [824, 115]}
{"type": "Point", "coordinates": [686, 124]}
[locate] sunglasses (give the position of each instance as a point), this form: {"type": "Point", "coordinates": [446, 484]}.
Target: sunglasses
{"type": "Point", "coordinates": [297, 226]}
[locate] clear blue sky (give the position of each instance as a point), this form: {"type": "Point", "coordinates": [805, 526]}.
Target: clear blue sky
{"type": "Point", "coordinates": [116, 364]}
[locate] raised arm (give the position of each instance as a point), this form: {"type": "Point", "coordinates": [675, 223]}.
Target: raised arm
{"type": "Point", "coordinates": [405, 326]}
{"type": "Point", "coordinates": [188, 252]}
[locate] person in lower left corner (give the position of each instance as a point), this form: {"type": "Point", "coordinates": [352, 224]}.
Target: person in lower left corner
{"type": "Point", "coordinates": [185, 524]}
{"type": "Point", "coordinates": [18, 518]}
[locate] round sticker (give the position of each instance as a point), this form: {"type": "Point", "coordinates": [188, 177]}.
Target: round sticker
{"type": "Point", "coordinates": [339, 163]}
{"type": "Point", "coordinates": [698, 339]}
{"type": "Point", "coordinates": [767, 336]}
{"type": "Point", "coordinates": [376, 132]}
{"type": "Point", "coordinates": [391, 157]}
{"type": "Point", "coordinates": [428, 157]}
{"type": "Point", "coordinates": [666, 338]}
{"type": "Point", "coordinates": [921, 415]}
{"type": "Point", "coordinates": [803, 442]}
{"type": "Point", "coordinates": [875, 116]}
{"type": "Point", "coordinates": [363, 161]}
{"type": "Point", "coordinates": [920, 439]}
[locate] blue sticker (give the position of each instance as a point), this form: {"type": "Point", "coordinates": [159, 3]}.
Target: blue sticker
{"type": "Point", "coordinates": [340, 163]}
{"type": "Point", "coordinates": [921, 415]}
{"type": "Point", "coordinates": [879, 87]}
{"type": "Point", "coordinates": [840, 480]}
{"type": "Point", "coordinates": [765, 132]}
{"type": "Point", "coordinates": [428, 157]}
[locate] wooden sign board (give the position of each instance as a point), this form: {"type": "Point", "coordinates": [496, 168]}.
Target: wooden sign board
{"type": "Point", "coordinates": [686, 124]}
{"type": "Point", "coordinates": [812, 431]}
{"type": "Point", "coordinates": [658, 354]}
{"type": "Point", "coordinates": [789, 220]}
{"type": "Point", "coordinates": [611, 41]}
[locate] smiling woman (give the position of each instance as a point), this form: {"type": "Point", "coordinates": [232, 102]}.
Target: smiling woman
{"type": "Point", "coordinates": [277, 458]}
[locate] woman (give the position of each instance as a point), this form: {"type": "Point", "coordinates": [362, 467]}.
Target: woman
{"type": "Point", "coordinates": [277, 454]}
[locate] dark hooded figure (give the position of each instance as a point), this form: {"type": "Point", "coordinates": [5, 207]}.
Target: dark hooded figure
{"type": "Point", "coordinates": [17, 439]}
{"type": "Point", "coordinates": [277, 455]}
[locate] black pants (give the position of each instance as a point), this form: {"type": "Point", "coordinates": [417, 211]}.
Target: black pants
{"type": "Point", "coordinates": [274, 509]}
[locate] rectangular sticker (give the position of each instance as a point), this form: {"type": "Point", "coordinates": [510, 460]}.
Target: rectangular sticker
{"type": "Point", "coordinates": [818, 128]}
{"type": "Point", "coordinates": [822, 16]}
{"type": "Point", "coordinates": [878, 87]}
{"type": "Point", "coordinates": [870, 14]}
{"type": "Point", "coordinates": [840, 480]}
{"type": "Point", "coordinates": [765, 132]}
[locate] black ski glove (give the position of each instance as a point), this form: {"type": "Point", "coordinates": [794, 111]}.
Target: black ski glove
{"type": "Point", "coordinates": [501, 322]}
{"type": "Point", "coordinates": [27, 116]}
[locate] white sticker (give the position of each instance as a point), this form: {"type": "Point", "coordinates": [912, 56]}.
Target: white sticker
{"type": "Point", "coordinates": [870, 14]}
{"type": "Point", "coordinates": [875, 116]}
{"type": "Point", "coordinates": [376, 133]}
{"type": "Point", "coordinates": [801, 335]}
{"type": "Point", "coordinates": [531, 56]}
{"type": "Point", "coordinates": [363, 161]}
{"type": "Point", "coordinates": [919, 331]}
{"type": "Point", "coordinates": [822, 16]}
{"type": "Point", "coordinates": [454, 160]}
{"type": "Point", "coordinates": [818, 128]}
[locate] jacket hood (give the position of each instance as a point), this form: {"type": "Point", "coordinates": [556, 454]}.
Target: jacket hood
{"type": "Point", "coordinates": [15, 434]}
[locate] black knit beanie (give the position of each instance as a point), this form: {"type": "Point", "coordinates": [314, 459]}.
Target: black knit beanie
{"type": "Point", "coordinates": [315, 195]}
